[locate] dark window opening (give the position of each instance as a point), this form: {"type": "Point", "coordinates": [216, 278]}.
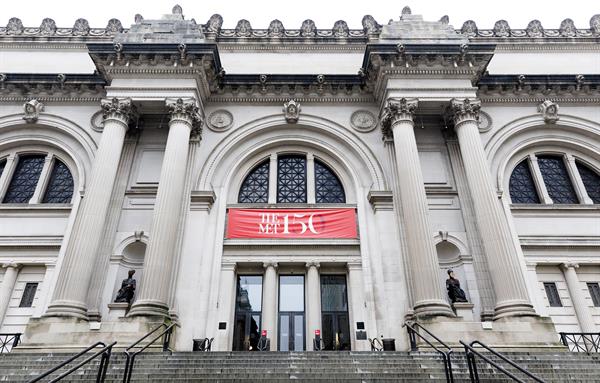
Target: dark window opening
{"type": "Point", "coordinates": [28, 295]}
{"type": "Point", "coordinates": [521, 186]}
{"type": "Point", "coordinates": [552, 294]}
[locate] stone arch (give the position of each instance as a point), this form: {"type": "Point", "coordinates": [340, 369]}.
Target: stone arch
{"type": "Point", "coordinates": [75, 146]}
{"type": "Point", "coordinates": [508, 146]}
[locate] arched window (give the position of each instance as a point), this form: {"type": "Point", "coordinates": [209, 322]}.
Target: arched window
{"type": "Point", "coordinates": [556, 178]}
{"type": "Point", "coordinates": [591, 181]}
{"type": "Point", "coordinates": [294, 173]}
{"type": "Point", "coordinates": [328, 188]}
{"type": "Point", "coordinates": [522, 186]}
{"type": "Point", "coordinates": [36, 178]}
{"type": "Point", "coordinates": [291, 179]}
{"type": "Point", "coordinates": [255, 188]}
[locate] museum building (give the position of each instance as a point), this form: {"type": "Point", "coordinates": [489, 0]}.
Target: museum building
{"type": "Point", "coordinates": [299, 182]}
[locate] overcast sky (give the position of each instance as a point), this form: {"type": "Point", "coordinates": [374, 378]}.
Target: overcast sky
{"type": "Point", "coordinates": [324, 12]}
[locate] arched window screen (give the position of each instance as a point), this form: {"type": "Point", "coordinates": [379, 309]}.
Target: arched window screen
{"type": "Point", "coordinates": [557, 181]}
{"type": "Point", "coordinates": [521, 187]}
{"type": "Point", "coordinates": [25, 178]}
{"type": "Point", "coordinates": [291, 179]}
{"type": "Point", "coordinates": [255, 188]}
{"type": "Point", "coordinates": [328, 188]}
{"type": "Point", "coordinates": [591, 181]}
{"type": "Point", "coordinates": [60, 185]}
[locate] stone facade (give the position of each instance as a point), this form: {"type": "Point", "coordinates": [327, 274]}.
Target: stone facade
{"type": "Point", "coordinates": [466, 149]}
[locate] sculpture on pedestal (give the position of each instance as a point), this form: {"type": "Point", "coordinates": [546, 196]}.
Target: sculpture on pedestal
{"type": "Point", "coordinates": [455, 293]}
{"type": "Point", "coordinates": [125, 293]}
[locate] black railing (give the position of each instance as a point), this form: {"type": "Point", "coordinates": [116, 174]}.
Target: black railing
{"type": "Point", "coordinates": [8, 342]}
{"type": "Point", "coordinates": [446, 354]}
{"type": "Point", "coordinates": [581, 341]}
{"type": "Point", "coordinates": [104, 354]}
{"type": "Point", "coordinates": [130, 354]}
{"type": "Point", "coordinates": [474, 374]}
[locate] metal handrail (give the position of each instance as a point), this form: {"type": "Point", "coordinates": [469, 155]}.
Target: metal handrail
{"type": "Point", "coordinates": [130, 357]}
{"type": "Point", "coordinates": [374, 346]}
{"type": "Point", "coordinates": [591, 341]}
{"type": "Point", "coordinates": [474, 375]}
{"type": "Point", "coordinates": [446, 355]}
{"type": "Point", "coordinates": [102, 368]}
{"type": "Point", "coordinates": [6, 339]}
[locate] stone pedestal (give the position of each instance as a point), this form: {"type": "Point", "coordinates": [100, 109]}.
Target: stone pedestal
{"type": "Point", "coordinates": [464, 310]}
{"type": "Point", "coordinates": [117, 311]}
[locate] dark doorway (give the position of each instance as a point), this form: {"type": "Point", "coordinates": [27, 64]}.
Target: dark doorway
{"type": "Point", "coordinates": [248, 306]}
{"type": "Point", "coordinates": [291, 313]}
{"type": "Point", "coordinates": [334, 312]}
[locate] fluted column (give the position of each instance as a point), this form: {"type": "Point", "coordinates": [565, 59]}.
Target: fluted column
{"type": "Point", "coordinates": [269, 303]}
{"type": "Point", "coordinates": [397, 119]}
{"type": "Point", "coordinates": [7, 286]}
{"type": "Point", "coordinates": [507, 278]}
{"type": "Point", "coordinates": [313, 307]}
{"type": "Point", "coordinates": [79, 259]}
{"type": "Point", "coordinates": [584, 316]}
{"type": "Point", "coordinates": [159, 259]}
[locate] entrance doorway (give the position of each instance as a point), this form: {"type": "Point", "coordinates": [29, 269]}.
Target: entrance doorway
{"type": "Point", "coordinates": [334, 310]}
{"type": "Point", "coordinates": [248, 307]}
{"type": "Point", "coordinates": [291, 313]}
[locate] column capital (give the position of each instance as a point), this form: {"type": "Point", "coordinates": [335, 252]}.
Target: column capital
{"type": "Point", "coordinates": [119, 109]}
{"type": "Point", "coordinates": [312, 264]}
{"type": "Point", "coordinates": [397, 109]}
{"type": "Point", "coordinates": [12, 265]}
{"type": "Point", "coordinates": [354, 266]}
{"type": "Point", "coordinates": [274, 265]}
{"type": "Point", "coordinates": [569, 265]}
{"type": "Point", "coordinates": [185, 110]}
{"type": "Point", "coordinates": [465, 109]}
{"type": "Point", "coordinates": [231, 266]}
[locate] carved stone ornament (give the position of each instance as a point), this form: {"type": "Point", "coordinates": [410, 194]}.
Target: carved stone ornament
{"type": "Point", "coordinates": [464, 109]}
{"type": "Point", "coordinates": [138, 18]}
{"type": "Point", "coordinates": [485, 122]}
{"type": "Point", "coordinates": [97, 121]}
{"type": "Point", "coordinates": [445, 20]}
{"type": "Point", "coordinates": [535, 29]}
{"type": "Point", "coordinates": [549, 111]}
{"type": "Point", "coordinates": [370, 25]}
{"type": "Point", "coordinates": [363, 121]}
{"type": "Point", "coordinates": [340, 29]}
{"type": "Point", "coordinates": [185, 109]}
{"type": "Point", "coordinates": [32, 109]}
{"type": "Point", "coordinates": [308, 28]}
{"type": "Point", "coordinates": [177, 10]}
{"type": "Point", "coordinates": [117, 108]}
{"type": "Point", "coordinates": [595, 24]}
{"type": "Point", "coordinates": [406, 11]}
{"type": "Point", "coordinates": [219, 120]}
{"type": "Point", "coordinates": [276, 29]}
{"type": "Point", "coordinates": [81, 27]}
{"type": "Point", "coordinates": [243, 28]}
{"type": "Point", "coordinates": [469, 28]}
{"type": "Point", "coordinates": [113, 27]}
{"type": "Point", "coordinates": [501, 28]}
{"type": "Point", "coordinates": [14, 26]}
{"type": "Point", "coordinates": [215, 23]}
{"type": "Point", "coordinates": [397, 109]}
{"type": "Point", "coordinates": [48, 27]}
{"type": "Point", "coordinates": [291, 111]}
{"type": "Point", "coordinates": [567, 28]}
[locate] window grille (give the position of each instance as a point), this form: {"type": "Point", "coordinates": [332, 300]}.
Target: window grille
{"type": "Point", "coordinates": [328, 188]}
{"type": "Point", "coordinates": [557, 181]}
{"type": "Point", "coordinates": [60, 185]}
{"type": "Point", "coordinates": [28, 295]}
{"type": "Point", "coordinates": [25, 179]}
{"type": "Point", "coordinates": [594, 289]}
{"type": "Point", "coordinates": [255, 188]}
{"type": "Point", "coordinates": [291, 179]}
{"type": "Point", "coordinates": [591, 181]}
{"type": "Point", "coordinates": [552, 294]}
{"type": "Point", "coordinates": [521, 186]}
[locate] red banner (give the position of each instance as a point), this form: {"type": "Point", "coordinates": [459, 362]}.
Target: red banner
{"type": "Point", "coordinates": [292, 223]}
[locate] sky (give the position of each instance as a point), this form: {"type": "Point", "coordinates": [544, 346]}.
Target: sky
{"type": "Point", "coordinates": [518, 13]}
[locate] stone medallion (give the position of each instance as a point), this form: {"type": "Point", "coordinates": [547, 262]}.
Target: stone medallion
{"type": "Point", "coordinates": [485, 122]}
{"type": "Point", "coordinates": [97, 121]}
{"type": "Point", "coordinates": [220, 120]}
{"type": "Point", "coordinates": [363, 121]}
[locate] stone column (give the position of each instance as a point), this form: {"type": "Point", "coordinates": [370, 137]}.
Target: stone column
{"type": "Point", "coordinates": [269, 303]}
{"type": "Point", "coordinates": [356, 303]}
{"type": "Point", "coordinates": [7, 287]}
{"type": "Point", "coordinates": [397, 119]}
{"type": "Point", "coordinates": [78, 264]}
{"type": "Point", "coordinates": [153, 296]}
{"type": "Point", "coordinates": [507, 277]}
{"type": "Point", "coordinates": [313, 300]}
{"type": "Point", "coordinates": [584, 316]}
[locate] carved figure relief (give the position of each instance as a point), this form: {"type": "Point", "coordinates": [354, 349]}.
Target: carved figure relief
{"type": "Point", "coordinates": [243, 28]}
{"type": "Point", "coordinates": [469, 28]}
{"type": "Point", "coordinates": [340, 29]}
{"type": "Point", "coordinates": [114, 26]}
{"type": "Point", "coordinates": [363, 121]}
{"type": "Point", "coordinates": [291, 111]}
{"type": "Point", "coordinates": [501, 28]}
{"type": "Point", "coordinates": [308, 28]}
{"type": "Point", "coordinates": [220, 120]}
{"type": "Point", "coordinates": [549, 111]}
{"type": "Point", "coordinates": [370, 25]}
{"type": "Point", "coordinates": [32, 109]}
{"type": "Point", "coordinates": [48, 27]}
{"type": "Point", "coordinates": [276, 29]}
{"type": "Point", "coordinates": [535, 29]}
{"type": "Point", "coordinates": [81, 27]}
{"type": "Point", "coordinates": [14, 26]}
{"type": "Point", "coordinates": [215, 23]}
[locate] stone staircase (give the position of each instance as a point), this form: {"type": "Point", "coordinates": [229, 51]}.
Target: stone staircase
{"type": "Point", "coordinates": [304, 367]}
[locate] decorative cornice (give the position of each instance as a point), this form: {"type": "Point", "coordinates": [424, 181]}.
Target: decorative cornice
{"type": "Point", "coordinates": [50, 87]}
{"type": "Point", "coordinates": [397, 110]}
{"type": "Point", "coordinates": [464, 110]}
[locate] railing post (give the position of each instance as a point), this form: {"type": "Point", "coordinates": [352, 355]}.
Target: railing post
{"type": "Point", "coordinates": [412, 338]}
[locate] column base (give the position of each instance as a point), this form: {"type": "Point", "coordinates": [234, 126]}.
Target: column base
{"type": "Point", "coordinates": [433, 308]}
{"type": "Point", "coordinates": [515, 308]}
{"type": "Point", "coordinates": [149, 307]}
{"type": "Point", "coordinates": [70, 309]}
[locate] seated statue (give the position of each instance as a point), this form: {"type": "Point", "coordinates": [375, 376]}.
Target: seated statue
{"type": "Point", "coordinates": [455, 293]}
{"type": "Point", "coordinates": [125, 293]}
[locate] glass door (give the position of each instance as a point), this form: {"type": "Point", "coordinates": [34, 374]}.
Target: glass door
{"type": "Point", "coordinates": [334, 311]}
{"type": "Point", "coordinates": [248, 306]}
{"type": "Point", "coordinates": [291, 313]}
